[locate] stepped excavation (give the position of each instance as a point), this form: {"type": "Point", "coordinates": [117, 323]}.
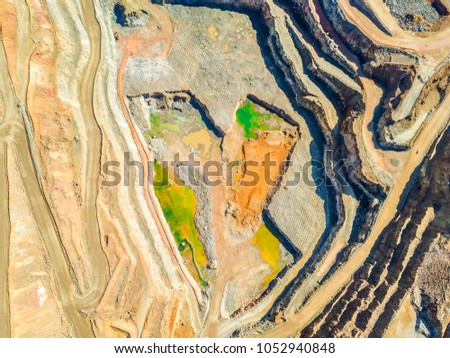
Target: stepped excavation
{"type": "Point", "coordinates": [224, 168]}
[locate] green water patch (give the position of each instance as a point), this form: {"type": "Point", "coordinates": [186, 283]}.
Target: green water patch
{"type": "Point", "coordinates": [252, 120]}
{"type": "Point", "coordinates": [160, 175]}
{"type": "Point", "coordinates": [269, 250]}
{"type": "Point", "coordinates": [159, 124]}
{"type": "Point", "coordinates": [179, 205]}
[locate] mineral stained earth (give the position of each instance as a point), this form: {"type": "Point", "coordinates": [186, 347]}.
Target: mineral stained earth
{"type": "Point", "coordinates": [224, 168]}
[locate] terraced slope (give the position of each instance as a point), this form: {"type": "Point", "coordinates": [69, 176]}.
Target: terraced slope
{"type": "Point", "coordinates": [305, 148]}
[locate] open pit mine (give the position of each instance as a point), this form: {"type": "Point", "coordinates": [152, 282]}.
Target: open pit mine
{"type": "Point", "coordinates": [224, 168]}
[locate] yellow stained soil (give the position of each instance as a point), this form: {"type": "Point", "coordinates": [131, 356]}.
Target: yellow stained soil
{"type": "Point", "coordinates": [200, 140]}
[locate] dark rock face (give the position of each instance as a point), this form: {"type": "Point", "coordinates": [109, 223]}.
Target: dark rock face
{"type": "Point", "coordinates": [376, 64]}
{"type": "Point", "coordinates": [119, 12]}
{"type": "Point", "coordinates": [398, 80]}
{"type": "Point", "coordinates": [222, 4]}
{"type": "Point", "coordinates": [441, 7]}
{"type": "Point", "coordinates": [131, 19]}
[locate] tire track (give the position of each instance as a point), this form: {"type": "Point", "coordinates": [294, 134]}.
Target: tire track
{"type": "Point", "coordinates": [99, 269]}
{"type": "Point", "coordinates": [5, 329]}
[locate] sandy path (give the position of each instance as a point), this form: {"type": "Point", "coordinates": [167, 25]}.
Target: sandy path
{"type": "Point", "coordinates": [47, 227]}
{"type": "Point", "coordinates": [153, 205]}
{"type": "Point", "coordinates": [99, 267]}
{"type": "Point", "coordinates": [99, 270]}
{"type": "Point", "coordinates": [5, 329]}
{"type": "Point", "coordinates": [326, 292]}
{"type": "Point", "coordinates": [26, 46]}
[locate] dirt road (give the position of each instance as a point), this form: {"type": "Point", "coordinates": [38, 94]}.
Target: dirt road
{"type": "Point", "coordinates": [4, 244]}
{"type": "Point", "coordinates": [99, 270]}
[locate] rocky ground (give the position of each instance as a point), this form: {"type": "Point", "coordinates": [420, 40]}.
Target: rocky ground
{"type": "Point", "coordinates": [415, 15]}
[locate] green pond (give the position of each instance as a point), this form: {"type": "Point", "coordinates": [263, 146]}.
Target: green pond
{"type": "Point", "coordinates": [251, 120]}
{"type": "Point", "coordinates": [269, 250]}
{"type": "Point", "coordinates": [179, 205]}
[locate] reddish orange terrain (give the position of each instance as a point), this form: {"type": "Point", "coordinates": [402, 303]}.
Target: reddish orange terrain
{"type": "Point", "coordinates": [8, 34]}
{"type": "Point", "coordinates": [256, 180]}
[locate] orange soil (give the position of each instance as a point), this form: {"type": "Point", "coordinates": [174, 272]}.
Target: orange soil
{"type": "Point", "coordinates": [249, 200]}
{"type": "Point", "coordinates": [8, 33]}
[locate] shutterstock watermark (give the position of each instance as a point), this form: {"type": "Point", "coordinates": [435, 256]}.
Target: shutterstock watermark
{"type": "Point", "coordinates": [213, 173]}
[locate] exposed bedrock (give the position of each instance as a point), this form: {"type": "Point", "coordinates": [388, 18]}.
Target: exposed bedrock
{"type": "Point", "coordinates": [402, 132]}
{"type": "Point", "coordinates": [397, 80]}
{"type": "Point", "coordinates": [140, 108]}
{"type": "Point", "coordinates": [316, 23]}
{"type": "Point", "coordinates": [203, 216]}
{"type": "Point", "coordinates": [223, 4]}
{"type": "Point", "coordinates": [330, 84]}
{"type": "Point", "coordinates": [131, 18]}
{"type": "Point", "coordinates": [368, 194]}
{"type": "Point", "coordinates": [396, 263]}
{"type": "Point", "coordinates": [395, 69]}
{"type": "Point", "coordinates": [430, 292]}
{"type": "Point", "coordinates": [350, 238]}
{"type": "Point", "coordinates": [442, 7]}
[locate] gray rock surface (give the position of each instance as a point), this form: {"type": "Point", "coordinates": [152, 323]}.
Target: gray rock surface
{"type": "Point", "coordinates": [415, 15]}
